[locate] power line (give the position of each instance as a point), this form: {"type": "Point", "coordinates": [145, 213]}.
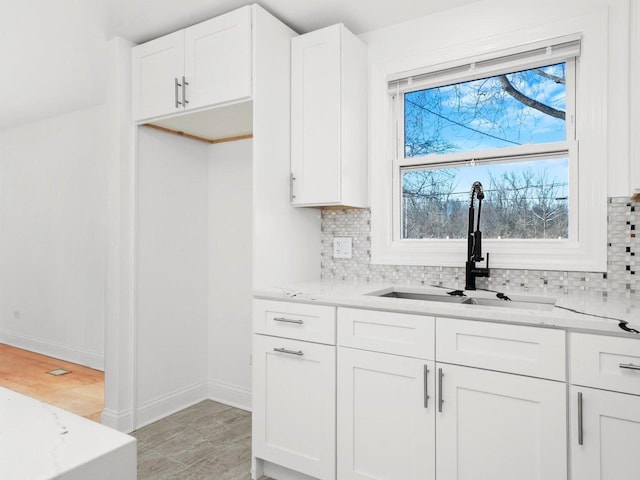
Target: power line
{"type": "Point", "coordinates": [460, 124]}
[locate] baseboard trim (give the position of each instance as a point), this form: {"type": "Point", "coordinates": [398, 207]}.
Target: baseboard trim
{"type": "Point", "coordinates": [229, 394]}
{"type": "Point", "coordinates": [123, 421]}
{"type": "Point", "coordinates": [60, 351]}
{"type": "Point", "coordinates": [172, 402]}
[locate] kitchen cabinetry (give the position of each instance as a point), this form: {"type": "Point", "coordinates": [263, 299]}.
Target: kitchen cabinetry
{"type": "Point", "coordinates": [203, 65]}
{"type": "Point", "coordinates": [386, 403]}
{"type": "Point", "coordinates": [294, 388]}
{"type": "Point", "coordinates": [474, 423]}
{"type": "Point", "coordinates": [493, 424]}
{"type": "Point", "coordinates": [329, 119]}
{"type": "Point", "coordinates": [605, 424]}
{"type": "Point", "coordinates": [386, 422]}
{"type": "Point", "coordinates": [499, 425]}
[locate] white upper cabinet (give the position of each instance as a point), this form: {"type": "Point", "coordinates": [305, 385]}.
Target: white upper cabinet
{"type": "Point", "coordinates": [217, 59]}
{"type": "Point", "coordinates": [329, 119]}
{"type": "Point", "coordinates": [203, 65]}
{"type": "Point", "coordinates": [158, 66]}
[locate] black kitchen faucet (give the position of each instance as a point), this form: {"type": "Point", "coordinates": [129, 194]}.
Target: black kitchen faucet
{"type": "Point", "coordinates": [474, 241]}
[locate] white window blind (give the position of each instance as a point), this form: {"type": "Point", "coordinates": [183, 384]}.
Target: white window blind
{"type": "Point", "coordinates": [526, 56]}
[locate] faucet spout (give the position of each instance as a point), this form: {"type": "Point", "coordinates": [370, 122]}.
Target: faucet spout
{"type": "Point", "coordinates": [474, 240]}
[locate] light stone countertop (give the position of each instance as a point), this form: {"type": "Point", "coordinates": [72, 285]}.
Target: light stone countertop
{"type": "Point", "coordinates": [39, 441]}
{"type": "Point", "coordinates": [584, 312]}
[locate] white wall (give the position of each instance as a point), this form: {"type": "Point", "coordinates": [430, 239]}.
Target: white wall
{"type": "Point", "coordinates": [172, 274]}
{"type": "Point", "coordinates": [431, 36]}
{"type": "Point", "coordinates": [230, 272]}
{"type": "Point", "coordinates": [53, 236]}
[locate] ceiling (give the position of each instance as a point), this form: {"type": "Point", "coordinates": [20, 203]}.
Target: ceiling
{"type": "Point", "coordinates": [54, 56]}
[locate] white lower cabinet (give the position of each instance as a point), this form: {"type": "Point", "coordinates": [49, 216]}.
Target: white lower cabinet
{"type": "Point", "coordinates": [605, 435]}
{"type": "Point", "coordinates": [386, 421]}
{"type": "Point", "coordinates": [499, 426]}
{"type": "Point", "coordinates": [294, 405]}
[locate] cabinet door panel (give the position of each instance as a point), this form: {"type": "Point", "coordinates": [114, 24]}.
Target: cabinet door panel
{"type": "Point", "coordinates": [611, 435]}
{"type": "Point", "coordinates": [218, 59]}
{"type": "Point", "coordinates": [156, 66]}
{"type": "Point", "coordinates": [500, 426]}
{"type": "Point", "coordinates": [294, 405]}
{"type": "Point", "coordinates": [315, 117]}
{"type": "Point", "coordinates": [599, 361]}
{"type": "Point", "coordinates": [385, 432]}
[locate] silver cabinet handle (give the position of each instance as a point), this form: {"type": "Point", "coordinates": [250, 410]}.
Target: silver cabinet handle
{"type": "Point", "coordinates": [287, 320]}
{"type": "Point", "coordinates": [629, 366]}
{"type": "Point", "coordinates": [426, 387]}
{"type": "Point", "coordinates": [580, 429]}
{"type": "Point", "coordinates": [292, 178]}
{"type": "Point", "coordinates": [184, 91]}
{"type": "Point", "coordinates": [290, 352]}
{"type": "Point", "coordinates": [440, 399]}
{"type": "Point", "coordinates": [176, 85]}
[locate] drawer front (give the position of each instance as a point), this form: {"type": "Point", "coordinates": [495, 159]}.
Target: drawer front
{"type": "Point", "coordinates": [387, 332]}
{"type": "Point", "coordinates": [300, 321]}
{"type": "Point", "coordinates": [536, 352]}
{"type": "Point", "coordinates": [610, 363]}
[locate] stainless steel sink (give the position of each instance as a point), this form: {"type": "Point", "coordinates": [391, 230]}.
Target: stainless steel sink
{"type": "Point", "coordinates": [479, 298]}
{"type": "Point", "coordinates": [497, 302]}
{"type": "Point", "coordinates": [429, 297]}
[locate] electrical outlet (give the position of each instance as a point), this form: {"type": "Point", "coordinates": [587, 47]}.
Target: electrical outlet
{"type": "Point", "coordinates": [16, 314]}
{"type": "Point", "coordinates": [342, 247]}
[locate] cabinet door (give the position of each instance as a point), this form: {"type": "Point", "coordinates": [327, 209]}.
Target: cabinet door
{"type": "Point", "coordinates": [157, 66]}
{"type": "Point", "coordinates": [610, 435]}
{"type": "Point", "coordinates": [386, 423]}
{"type": "Point", "coordinates": [218, 59]}
{"type": "Point", "coordinates": [315, 117]}
{"type": "Point", "coordinates": [294, 405]}
{"type": "Point", "coordinates": [498, 426]}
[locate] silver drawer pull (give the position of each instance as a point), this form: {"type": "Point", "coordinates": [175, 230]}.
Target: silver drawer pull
{"type": "Point", "coordinates": [287, 320]}
{"type": "Point", "coordinates": [426, 387]}
{"type": "Point", "coordinates": [290, 352]}
{"type": "Point", "coordinates": [580, 421]}
{"type": "Point", "coordinates": [440, 396]}
{"type": "Point", "coordinates": [629, 366]}
{"type": "Point", "coordinates": [176, 85]}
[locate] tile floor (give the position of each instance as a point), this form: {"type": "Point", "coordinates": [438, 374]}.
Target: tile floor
{"type": "Point", "coordinates": [209, 441]}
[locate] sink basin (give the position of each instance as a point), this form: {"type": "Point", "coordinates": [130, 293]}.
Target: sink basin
{"type": "Point", "coordinates": [497, 302]}
{"type": "Point", "coordinates": [429, 297]}
{"type": "Point", "coordinates": [479, 298]}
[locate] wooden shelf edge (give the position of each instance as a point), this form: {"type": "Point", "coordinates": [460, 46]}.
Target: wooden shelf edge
{"type": "Point", "coordinates": [196, 137]}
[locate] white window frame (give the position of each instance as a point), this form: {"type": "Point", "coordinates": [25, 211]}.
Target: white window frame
{"type": "Point", "coordinates": [585, 250]}
{"type": "Point", "coordinates": [568, 147]}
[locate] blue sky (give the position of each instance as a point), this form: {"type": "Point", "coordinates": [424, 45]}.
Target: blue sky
{"type": "Point", "coordinates": [479, 114]}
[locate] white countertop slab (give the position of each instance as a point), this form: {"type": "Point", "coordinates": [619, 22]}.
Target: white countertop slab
{"type": "Point", "coordinates": [39, 441]}
{"type": "Point", "coordinates": [576, 311]}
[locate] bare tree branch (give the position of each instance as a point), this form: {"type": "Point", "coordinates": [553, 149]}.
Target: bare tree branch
{"type": "Point", "coordinates": [553, 78]}
{"type": "Point", "coordinates": [511, 90]}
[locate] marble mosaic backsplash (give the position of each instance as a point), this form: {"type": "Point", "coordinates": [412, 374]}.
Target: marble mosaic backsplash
{"type": "Point", "coordinates": [622, 276]}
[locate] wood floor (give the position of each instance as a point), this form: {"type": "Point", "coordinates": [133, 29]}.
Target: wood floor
{"type": "Point", "coordinates": [80, 392]}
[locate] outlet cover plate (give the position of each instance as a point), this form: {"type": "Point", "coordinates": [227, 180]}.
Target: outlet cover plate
{"type": "Point", "coordinates": [342, 247]}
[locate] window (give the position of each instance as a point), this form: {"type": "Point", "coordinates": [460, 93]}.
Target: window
{"type": "Point", "coordinates": [526, 119]}
{"type": "Point", "coordinates": [524, 198]}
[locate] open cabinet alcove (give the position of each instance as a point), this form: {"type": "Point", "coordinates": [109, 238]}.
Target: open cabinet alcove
{"type": "Point", "coordinates": [194, 227]}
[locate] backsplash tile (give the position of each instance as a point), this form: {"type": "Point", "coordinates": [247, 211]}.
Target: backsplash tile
{"type": "Point", "coordinates": [622, 275]}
